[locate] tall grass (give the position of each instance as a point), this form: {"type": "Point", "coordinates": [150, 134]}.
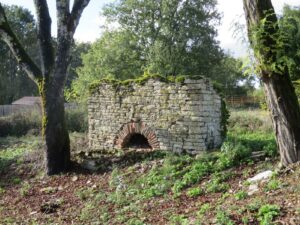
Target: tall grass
{"type": "Point", "coordinates": [29, 122]}
{"type": "Point", "coordinates": [252, 129]}
{"type": "Point", "coordinates": [20, 123]}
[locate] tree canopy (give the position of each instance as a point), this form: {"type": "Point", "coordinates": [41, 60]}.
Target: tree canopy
{"type": "Point", "coordinates": [289, 24]}
{"type": "Point", "coordinates": [14, 82]}
{"type": "Point", "coordinates": [165, 37]}
{"type": "Point", "coordinates": [174, 36]}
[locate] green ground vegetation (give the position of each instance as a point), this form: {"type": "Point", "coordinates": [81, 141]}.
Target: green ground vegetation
{"type": "Point", "coordinates": [155, 187]}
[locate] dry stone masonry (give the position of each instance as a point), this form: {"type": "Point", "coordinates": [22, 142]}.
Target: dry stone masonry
{"type": "Point", "coordinates": [178, 116]}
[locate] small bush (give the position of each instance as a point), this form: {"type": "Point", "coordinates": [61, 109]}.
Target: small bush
{"type": "Point", "coordinates": [241, 195]}
{"type": "Point", "coordinates": [77, 119]}
{"type": "Point", "coordinates": [271, 149]}
{"type": "Point", "coordinates": [223, 218]}
{"type": "Point", "coordinates": [215, 186]}
{"type": "Point", "coordinates": [231, 155]}
{"type": "Point", "coordinates": [267, 213]}
{"type": "Point", "coordinates": [273, 185]}
{"type": "Point", "coordinates": [203, 209]}
{"type": "Point", "coordinates": [30, 122]}
{"type": "Point", "coordinates": [194, 192]}
{"type": "Point", "coordinates": [19, 124]}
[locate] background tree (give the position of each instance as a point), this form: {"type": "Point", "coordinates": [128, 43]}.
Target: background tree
{"type": "Point", "coordinates": [114, 55]}
{"type": "Point", "coordinates": [229, 76]}
{"type": "Point", "coordinates": [270, 52]}
{"type": "Point", "coordinates": [289, 25]}
{"type": "Point", "coordinates": [165, 37]}
{"type": "Point", "coordinates": [175, 36]}
{"type": "Point", "coordinates": [14, 81]}
{"type": "Point", "coordinates": [78, 49]}
{"type": "Point", "coordinates": [51, 75]}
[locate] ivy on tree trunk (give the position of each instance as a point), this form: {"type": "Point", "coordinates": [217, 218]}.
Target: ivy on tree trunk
{"type": "Point", "coordinates": [264, 36]}
{"type": "Point", "coordinates": [50, 76]}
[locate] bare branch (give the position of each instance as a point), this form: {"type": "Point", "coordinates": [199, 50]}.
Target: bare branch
{"type": "Point", "coordinates": [78, 7]}
{"type": "Point", "coordinates": [44, 35]}
{"type": "Point", "coordinates": [24, 60]}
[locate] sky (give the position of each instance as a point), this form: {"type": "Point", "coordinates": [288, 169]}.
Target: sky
{"type": "Point", "coordinates": [89, 26]}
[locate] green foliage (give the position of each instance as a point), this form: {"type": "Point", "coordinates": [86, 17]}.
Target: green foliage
{"type": "Point", "coordinates": [29, 122]}
{"type": "Point", "coordinates": [85, 193]}
{"type": "Point", "coordinates": [216, 184]}
{"type": "Point", "coordinates": [14, 82]}
{"type": "Point", "coordinates": [260, 96]}
{"type": "Point", "coordinates": [241, 195]}
{"type": "Point", "coordinates": [19, 124]}
{"type": "Point", "coordinates": [223, 218]}
{"type": "Point", "coordinates": [78, 49]}
{"type": "Point", "coordinates": [172, 35]}
{"type": "Point", "coordinates": [76, 119]}
{"type": "Point", "coordinates": [229, 75]}
{"type": "Point", "coordinates": [140, 80]}
{"type": "Point", "coordinates": [179, 219]}
{"type": "Point", "coordinates": [203, 209]}
{"type": "Point", "coordinates": [224, 118]}
{"type": "Point", "coordinates": [2, 190]}
{"type": "Point", "coordinates": [13, 148]}
{"type": "Point", "coordinates": [254, 130]}
{"type": "Point", "coordinates": [276, 43]}
{"type": "Point", "coordinates": [194, 192]}
{"type": "Point", "coordinates": [289, 24]}
{"type": "Point", "coordinates": [152, 38]}
{"type": "Point", "coordinates": [273, 185]}
{"type": "Point", "coordinates": [267, 213]}
{"type": "Point", "coordinates": [232, 153]}
{"type": "Point", "coordinates": [114, 56]}
{"type": "Point", "coordinates": [25, 188]}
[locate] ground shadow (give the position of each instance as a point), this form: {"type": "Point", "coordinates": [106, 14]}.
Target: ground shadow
{"type": "Point", "coordinates": [107, 163]}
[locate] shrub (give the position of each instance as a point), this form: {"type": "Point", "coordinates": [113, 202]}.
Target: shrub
{"type": "Point", "coordinates": [223, 218]}
{"type": "Point", "coordinates": [76, 119]}
{"type": "Point", "coordinates": [271, 149]}
{"type": "Point", "coordinates": [29, 121]}
{"type": "Point", "coordinates": [231, 155]}
{"type": "Point", "coordinates": [267, 213]}
{"type": "Point", "coordinates": [241, 195]}
{"type": "Point", "coordinates": [194, 192]}
{"type": "Point", "coordinates": [19, 124]}
{"type": "Point", "coordinates": [273, 185]}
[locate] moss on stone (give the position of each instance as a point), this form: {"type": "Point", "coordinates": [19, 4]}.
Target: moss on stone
{"type": "Point", "coordinates": [142, 80]}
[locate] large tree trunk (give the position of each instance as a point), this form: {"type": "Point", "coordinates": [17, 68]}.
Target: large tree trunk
{"type": "Point", "coordinates": [280, 94]}
{"type": "Point", "coordinates": [55, 131]}
{"type": "Point", "coordinates": [51, 75]}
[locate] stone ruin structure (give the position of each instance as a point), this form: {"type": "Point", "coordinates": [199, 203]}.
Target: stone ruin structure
{"type": "Point", "coordinates": [182, 116]}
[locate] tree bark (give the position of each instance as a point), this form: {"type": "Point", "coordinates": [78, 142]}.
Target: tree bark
{"type": "Point", "coordinates": [280, 94]}
{"type": "Point", "coordinates": [51, 75]}
{"type": "Point", "coordinates": [55, 131]}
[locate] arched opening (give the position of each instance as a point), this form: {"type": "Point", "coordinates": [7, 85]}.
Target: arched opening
{"type": "Point", "coordinates": [136, 135]}
{"type": "Point", "coordinates": [137, 141]}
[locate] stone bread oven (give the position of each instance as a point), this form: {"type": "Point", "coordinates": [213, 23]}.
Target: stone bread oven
{"type": "Point", "coordinates": [179, 116]}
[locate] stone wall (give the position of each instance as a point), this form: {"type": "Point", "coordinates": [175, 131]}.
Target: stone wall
{"type": "Point", "coordinates": [177, 116]}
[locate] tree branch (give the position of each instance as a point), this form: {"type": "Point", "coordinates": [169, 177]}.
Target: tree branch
{"type": "Point", "coordinates": [24, 60]}
{"type": "Point", "coordinates": [44, 36]}
{"type": "Point", "coordinates": [63, 16]}
{"type": "Point", "coordinates": [77, 9]}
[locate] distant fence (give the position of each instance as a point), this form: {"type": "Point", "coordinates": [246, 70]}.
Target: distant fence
{"type": "Point", "coordinates": [240, 101]}
{"type": "Point", "coordinates": [6, 110]}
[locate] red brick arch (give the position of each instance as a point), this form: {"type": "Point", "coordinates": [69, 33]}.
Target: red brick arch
{"type": "Point", "coordinates": [132, 128]}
